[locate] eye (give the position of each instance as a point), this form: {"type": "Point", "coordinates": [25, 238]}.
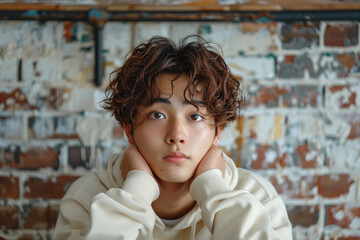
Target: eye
{"type": "Point", "coordinates": [156, 115]}
{"type": "Point", "coordinates": [196, 117]}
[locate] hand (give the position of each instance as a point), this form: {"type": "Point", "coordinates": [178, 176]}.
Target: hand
{"type": "Point", "coordinates": [212, 160]}
{"type": "Point", "coordinates": [133, 160]}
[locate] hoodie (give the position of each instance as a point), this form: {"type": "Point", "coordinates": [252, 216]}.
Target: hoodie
{"type": "Point", "coordinates": [240, 205]}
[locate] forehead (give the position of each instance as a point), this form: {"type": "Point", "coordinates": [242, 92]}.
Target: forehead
{"type": "Point", "coordinates": [169, 84]}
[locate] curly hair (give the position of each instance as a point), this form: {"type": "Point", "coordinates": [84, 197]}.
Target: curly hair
{"type": "Point", "coordinates": [134, 84]}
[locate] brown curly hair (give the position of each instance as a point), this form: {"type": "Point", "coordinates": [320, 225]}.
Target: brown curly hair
{"type": "Point", "coordinates": [134, 84]}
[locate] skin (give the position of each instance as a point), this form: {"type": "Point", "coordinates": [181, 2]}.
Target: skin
{"type": "Point", "coordinates": [173, 142]}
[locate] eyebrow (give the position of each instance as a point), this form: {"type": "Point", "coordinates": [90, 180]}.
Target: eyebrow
{"type": "Point", "coordinates": [167, 101]}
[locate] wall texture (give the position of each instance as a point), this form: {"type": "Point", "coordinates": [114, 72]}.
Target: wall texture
{"type": "Point", "coordinates": [300, 127]}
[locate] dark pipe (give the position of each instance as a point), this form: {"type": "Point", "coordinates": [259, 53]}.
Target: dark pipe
{"type": "Point", "coordinates": [99, 60]}
{"type": "Point", "coordinates": [234, 16]}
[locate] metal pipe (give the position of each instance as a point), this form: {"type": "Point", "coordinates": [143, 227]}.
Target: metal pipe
{"type": "Point", "coordinates": [233, 16]}
{"type": "Point", "coordinates": [99, 59]}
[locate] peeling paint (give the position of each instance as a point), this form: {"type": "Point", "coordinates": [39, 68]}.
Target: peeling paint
{"type": "Point", "coordinates": [251, 68]}
{"type": "Point", "coordinates": [265, 128]}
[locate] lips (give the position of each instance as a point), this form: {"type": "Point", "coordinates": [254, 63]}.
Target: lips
{"type": "Point", "coordinates": [176, 157]}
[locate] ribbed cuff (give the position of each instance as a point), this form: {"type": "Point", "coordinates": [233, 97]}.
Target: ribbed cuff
{"type": "Point", "coordinates": [208, 184]}
{"type": "Point", "coordinates": [141, 186]}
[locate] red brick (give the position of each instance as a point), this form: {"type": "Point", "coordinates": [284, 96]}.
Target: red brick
{"type": "Point", "coordinates": [40, 216]}
{"type": "Point", "coordinates": [35, 217]}
{"type": "Point", "coordinates": [79, 156]}
{"type": "Point", "coordinates": [302, 96]}
{"type": "Point", "coordinates": [14, 100]}
{"type": "Point", "coordinates": [342, 215]}
{"type": "Point", "coordinates": [349, 238]}
{"type": "Point", "coordinates": [9, 217]}
{"type": "Point", "coordinates": [32, 158]}
{"type": "Point", "coordinates": [265, 96]}
{"type": "Point", "coordinates": [300, 35]}
{"type": "Point", "coordinates": [34, 236]}
{"type": "Point", "coordinates": [9, 187]}
{"type": "Point", "coordinates": [341, 102]}
{"type": "Point", "coordinates": [53, 213]}
{"type": "Point", "coordinates": [336, 185]}
{"type": "Point", "coordinates": [262, 161]}
{"type": "Point", "coordinates": [303, 187]}
{"type": "Point", "coordinates": [348, 62]}
{"type": "Point", "coordinates": [341, 35]}
{"type": "Point", "coordinates": [308, 155]}
{"type": "Point", "coordinates": [303, 215]}
{"type": "Point", "coordinates": [53, 187]}
{"type": "Point", "coordinates": [328, 65]}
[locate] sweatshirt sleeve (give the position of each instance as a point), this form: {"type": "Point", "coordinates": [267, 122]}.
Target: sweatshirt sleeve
{"type": "Point", "coordinates": [119, 213]}
{"type": "Point", "coordinates": [238, 214]}
{"type": "Point", "coordinates": [124, 213]}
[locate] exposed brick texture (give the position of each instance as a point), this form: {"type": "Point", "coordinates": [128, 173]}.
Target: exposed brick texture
{"type": "Point", "coordinates": [305, 216]}
{"type": "Point", "coordinates": [9, 217]}
{"type": "Point", "coordinates": [341, 35]}
{"type": "Point", "coordinates": [48, 187]}
{"type": "Point", "coordinates": [299, 128]}
{"type": "Point", "coordinates": [32, 158]}
{"type": "Point", "coordinates": [299, 35]}
{"type": "Point", "coordinates": [39, 216]}
{"type": "Point", "coordinates": [335, 185]}
{"type": "Point", "coordinates": [9, 187]}
{"type": "Point", "coordinates": [343, 216]}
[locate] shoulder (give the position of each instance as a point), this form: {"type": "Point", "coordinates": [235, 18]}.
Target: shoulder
{"type": "Point", "coordinates": [89, 185]}
{"type": "Point", "coordinates": [85, 188]}
{"type": "Point", "coordinates": [257, 185]}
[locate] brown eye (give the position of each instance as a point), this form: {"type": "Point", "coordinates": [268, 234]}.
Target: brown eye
{"type": "Point", "coordinates": [156, 115]}
{"type": "Point", "coordinates": [196, 117]}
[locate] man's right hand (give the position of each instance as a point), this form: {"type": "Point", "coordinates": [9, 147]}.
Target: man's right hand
{"type": "Point", "coordinates": [133, 160]}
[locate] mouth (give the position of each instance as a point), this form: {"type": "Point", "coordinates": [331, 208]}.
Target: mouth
{"type": "Point", "coordinates": [176, 157]}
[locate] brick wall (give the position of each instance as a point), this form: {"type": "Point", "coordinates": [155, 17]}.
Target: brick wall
{"type": "Point", "coordinates": [300, 127]}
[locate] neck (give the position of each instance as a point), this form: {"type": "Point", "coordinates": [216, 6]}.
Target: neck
{"type": "Point", "coordinates": [174, 200]}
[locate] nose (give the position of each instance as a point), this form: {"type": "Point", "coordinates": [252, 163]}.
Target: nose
{"type": "Point", "coordinates": [176, 132]}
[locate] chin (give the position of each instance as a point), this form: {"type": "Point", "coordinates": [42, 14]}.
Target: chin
{"type": "Point", "coordinates": [175, 179]}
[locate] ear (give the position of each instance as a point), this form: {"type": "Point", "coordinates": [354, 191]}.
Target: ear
{"type": "Point", "coordinates": [129, 133]}
{"type": "Point", "coordinates": [218, 135]}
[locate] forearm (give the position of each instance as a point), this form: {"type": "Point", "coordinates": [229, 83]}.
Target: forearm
{"type": "Point", "coordinates": [124, 213]}
{"type": "Point", "coordinates": [237, 214]}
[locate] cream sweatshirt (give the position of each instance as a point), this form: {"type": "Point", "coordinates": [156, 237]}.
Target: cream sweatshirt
{"type": "Point", "coordinates": [240, 205]}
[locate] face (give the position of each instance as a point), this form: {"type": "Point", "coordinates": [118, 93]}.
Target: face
{"type": "Point", "coordinates": [172, 135]}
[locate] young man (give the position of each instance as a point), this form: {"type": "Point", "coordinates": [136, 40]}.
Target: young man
{"type": "Point", "coordinates": [173, 181]}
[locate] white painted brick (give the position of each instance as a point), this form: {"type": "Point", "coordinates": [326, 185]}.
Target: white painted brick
{"type": "Point", "coordinates": [304, 126]}
{"type": "Point", "coordinates": [77, 68]}
{"type": "Point", "coordinates": [117, 39]}
{"type": "Point", "coordinates": [344, 156]}
{"type": "Point", "coordinates": [8, 70]}
{"type": "Point", "coordinates": [252, 68]}
{"type": "Point", "coordinates": [229, 136]}
{"type": "Point", "coordinates": [43, 127]}
{"type": "Point", "coordinates": [145, 30]}
{"type": "Point", "coordinates": [30, 39]}
{"type": "Point", "coordinates": [42, 70]}
{"type": "Point", "coordinates": [84, 99]}
{"type": "Point", "coordinates": [267, 128]}
{"type": "Point", "coordinates": [234, 40]}
{"type": "Point", "coordinates": [337, 128]}
{"type": "Point", "coordinates": [179, 30]}
{"type": "Point", "coordinates": [11, 128]}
